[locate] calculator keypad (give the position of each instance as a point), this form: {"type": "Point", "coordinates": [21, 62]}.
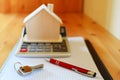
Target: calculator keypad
{"type": "Point", "coordinates": [43, 47]}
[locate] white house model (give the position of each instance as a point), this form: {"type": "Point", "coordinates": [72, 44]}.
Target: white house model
{"type": "Point", "coordinates": [42, 25]}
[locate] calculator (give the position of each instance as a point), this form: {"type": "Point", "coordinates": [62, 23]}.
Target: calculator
{"type": "Point", "coordinates": [44, 49]}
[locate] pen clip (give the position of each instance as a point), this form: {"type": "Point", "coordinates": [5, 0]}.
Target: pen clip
{"type": "Point", "coordinates": [79, 72]}
{"type": "Point", "coordinates": [75, 70]}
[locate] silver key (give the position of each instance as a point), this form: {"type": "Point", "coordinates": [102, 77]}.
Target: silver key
{"type": "Point", "coordinates": [31, 68]}
{"type": "Point", "coordinates": [24, 70]}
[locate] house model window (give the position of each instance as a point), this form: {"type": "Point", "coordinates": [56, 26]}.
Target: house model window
{"type": "Point", "coordinates": [42, 25]}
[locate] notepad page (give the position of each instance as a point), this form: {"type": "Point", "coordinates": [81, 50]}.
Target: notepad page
{"type": "Point", "coordinates": [80, 56]}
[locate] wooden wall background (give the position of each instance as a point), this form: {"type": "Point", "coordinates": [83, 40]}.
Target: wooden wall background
{"type": "Point", "coordinates": [27, 6]}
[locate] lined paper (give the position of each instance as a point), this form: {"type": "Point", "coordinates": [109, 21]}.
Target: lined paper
{"type": "Point", "coordinates": [80, 56]}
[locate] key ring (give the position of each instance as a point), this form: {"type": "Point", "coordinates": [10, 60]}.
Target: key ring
{"type": "Point", "coordinates": [24, 70]}
{"type": "Point", "coordinates": [17, 67]}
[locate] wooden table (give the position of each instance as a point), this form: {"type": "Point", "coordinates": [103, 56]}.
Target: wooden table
{"type": "Point", "coordinates": [106, 45]}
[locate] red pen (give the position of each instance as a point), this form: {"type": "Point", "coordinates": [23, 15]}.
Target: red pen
{"type": "Point", "coordinates": [85, 72]}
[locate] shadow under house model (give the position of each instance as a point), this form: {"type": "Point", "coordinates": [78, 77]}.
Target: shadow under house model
{"type": "Point", "coordinates": [42, 25]}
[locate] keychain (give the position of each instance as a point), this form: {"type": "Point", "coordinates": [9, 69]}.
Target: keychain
{"type": "Point", "coordinates": [24, 70]}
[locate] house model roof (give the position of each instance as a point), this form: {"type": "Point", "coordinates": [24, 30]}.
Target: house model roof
{"type": "Point", "coordinates": [38, 10]}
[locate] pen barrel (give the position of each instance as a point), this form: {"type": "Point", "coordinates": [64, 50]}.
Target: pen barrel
{"type": "Point", "coordinates": [73, 67]}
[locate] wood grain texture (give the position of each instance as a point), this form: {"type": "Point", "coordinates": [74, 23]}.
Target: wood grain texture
{"type": "Point", "coordinates": [27, 6]}
{"type": "Point", "coordinates": [106, 45]}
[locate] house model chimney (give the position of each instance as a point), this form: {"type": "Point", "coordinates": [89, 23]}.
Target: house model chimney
{"type": "Point", "coordinates": [43, 25]}
{"type": "Point", "coordinates": [50, 7]}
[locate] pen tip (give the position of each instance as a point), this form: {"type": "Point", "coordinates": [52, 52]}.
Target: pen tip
{"type": "Point", "coordinates": [94, 75]}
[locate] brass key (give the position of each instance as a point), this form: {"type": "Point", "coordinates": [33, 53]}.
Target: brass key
{"type": "Point", "coordinates": [23, 70]}
{"type": "Point", "coordinates": [31, 68]}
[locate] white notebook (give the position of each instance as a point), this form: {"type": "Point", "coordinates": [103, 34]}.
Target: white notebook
{"type": "Point", "coordinates": [80, 56]}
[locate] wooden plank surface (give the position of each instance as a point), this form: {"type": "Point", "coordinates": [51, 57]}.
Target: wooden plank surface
{"type": "Point", "coordinates": [106, 45]}
{"type": "Point", "coordinates": [27, 6]}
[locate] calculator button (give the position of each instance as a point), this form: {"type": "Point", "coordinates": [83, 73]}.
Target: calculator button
{"type": "Point", "coordinates": [24, 46]}
{"type": "Point", "coordinates": [33, 44]}
{"type": "Point", "coordinates": [47, 50]}
{"type": "Point", "coordinates": [40, 47]}
{"type": "Point", "coordinates": [56, 46]}
{"type": "Point", "coordinates": [32, 47]}
{"type": "Point", "coordinates": [56, 50]}
{"type": "Point", "coordinates": [48, 44]}
{"type": "Point", "coordinates": [40, 44]}
{"type": "Point", "coordinates": [39, 50]}
{"type": "Point", "coordinates": [32, 50]}
{"type": "Point", "coordinates": [23, 50]}
{"type": "Point", "coordinates": [47, 47]}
